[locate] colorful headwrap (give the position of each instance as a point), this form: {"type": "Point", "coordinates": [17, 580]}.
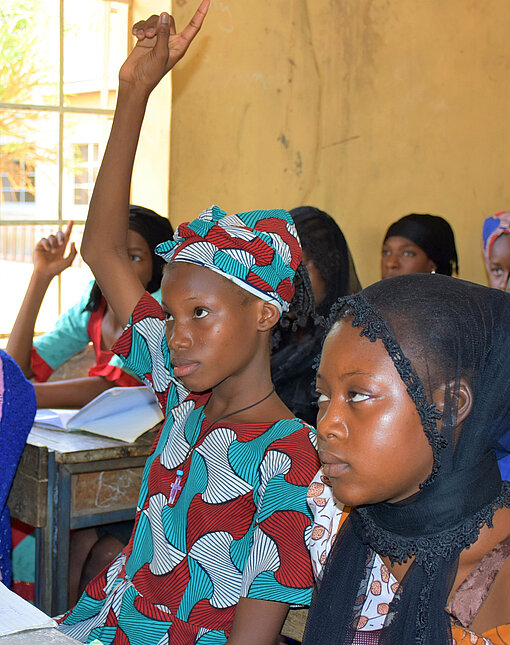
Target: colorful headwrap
{"type": "Point", "coordinates": [493, 227]}
{"type": "Point", "coordinates": [257, 250]}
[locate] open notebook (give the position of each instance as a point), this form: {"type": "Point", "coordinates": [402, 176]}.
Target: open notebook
{"type": "Point", "coordinates": [122, 413]}
{"type": "Point", "coordinates": [18, 615]}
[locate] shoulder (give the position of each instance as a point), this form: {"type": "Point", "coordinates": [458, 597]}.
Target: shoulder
{"type": "Point", "coordinates": [147, 308]}
{"type": "Point", "coordinates": [295, 434]}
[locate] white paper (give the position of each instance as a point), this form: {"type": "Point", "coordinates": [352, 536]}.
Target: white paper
{"type": "Point", "coordinates": [18, 615]}
{"type": "Point", "coordinates": [122, 413]}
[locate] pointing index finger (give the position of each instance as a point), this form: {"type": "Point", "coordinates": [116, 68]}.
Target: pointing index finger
{"type": "Point", "coordinates": [193, 27]}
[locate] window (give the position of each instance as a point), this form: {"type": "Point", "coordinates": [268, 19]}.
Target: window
{"type": "Point", "coordinates": [18, 182]}
{"type": "Point", "coordinates": [86, 157]}
{"type": "Point", "coordinates": [58, 80]}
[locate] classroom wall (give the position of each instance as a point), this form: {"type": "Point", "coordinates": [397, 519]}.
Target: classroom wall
{"type": "Point", "coordinates": [151, 172]}
{"type": "Point", "coordinates": [368, 109]}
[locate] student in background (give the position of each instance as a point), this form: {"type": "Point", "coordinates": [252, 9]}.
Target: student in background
{"type": "Point", "coordinates": [496, 249]}
{"type": "Point", "coordinates": [419, 243]}
{"type": "Point", "coordinates": [218, 552]}
{"type": "Point", "coordinates": [414, 396]}
{"type": "Point", "coordinates": [89, 320]}
{"type": "Point", "coordinates": [297, 345]}
{"type": "Point", "coordinates": [17, 411]}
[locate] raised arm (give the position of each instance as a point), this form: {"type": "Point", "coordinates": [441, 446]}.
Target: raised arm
{"type": "Point", "coordinates": [49, 260]}
{"type": "Point", "coordinates": [158, 48]}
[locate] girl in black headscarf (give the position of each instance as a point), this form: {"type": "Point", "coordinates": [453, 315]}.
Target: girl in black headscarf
{"type": "Point", "coordinates": [332, 274]}
{"type": "Point", "coordinates": [415, 393]}
{"type": "Point", "coordinates": [419, 243]}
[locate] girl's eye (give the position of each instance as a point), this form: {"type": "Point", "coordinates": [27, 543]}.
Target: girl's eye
{"type": "Point", "coordinates": [168, 316]}
{"type": "Point", "coordinates": [357, 397]}
{"type": "Point", "coordinates": [135, 258]}
{"type": "Point", "coordinates": [385, 252]}
{"type": "Point", "coordinates": [409, 254]}
{"type": "Point", "coordinates": [322, 398]}
{"type": "Point", "coordinates": [497, 270]}
{"type": "Point", "coordinates": [200, 312]}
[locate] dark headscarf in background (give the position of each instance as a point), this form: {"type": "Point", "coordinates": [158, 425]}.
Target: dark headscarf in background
{"type": "Point", "coordinates": [292, 362]}
{"type": "Point", "coordinates": [433, 235]}
{"type": "Point", "coordinates": [154, 229]}
{"type": "Point", "coordinates": [436, 330]}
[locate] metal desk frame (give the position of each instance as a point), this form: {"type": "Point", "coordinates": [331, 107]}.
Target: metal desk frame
{"type": "Point", "coordinates": [52, 483]}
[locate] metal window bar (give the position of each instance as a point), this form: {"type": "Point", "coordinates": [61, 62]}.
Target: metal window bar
{"type": "Point", "coordinates": [61, 109]}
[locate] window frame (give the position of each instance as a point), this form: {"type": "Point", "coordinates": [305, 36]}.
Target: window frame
{"type": "Point", "coordinates": [61, 110]}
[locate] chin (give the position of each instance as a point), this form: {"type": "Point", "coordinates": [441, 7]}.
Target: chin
{"type": "Point", "coordinates": [350, 497]}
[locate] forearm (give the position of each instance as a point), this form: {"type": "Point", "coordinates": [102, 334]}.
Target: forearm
{"type": "Point", "coordinates": [74, 393]}
{"type": "Point", "coordinates": [107, 220]}
{"type": "Point", "coordinates": [104, 240]}
{"type": "Point", "coordinates": [19, 345]}
{"type": "Point", "coordinates": [257, 622]}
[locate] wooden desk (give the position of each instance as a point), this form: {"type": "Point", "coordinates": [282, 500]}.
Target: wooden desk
{"type": "Point", "coordinates": [69, 481]}
{"type": "Point", "coordinates": [38, 637]}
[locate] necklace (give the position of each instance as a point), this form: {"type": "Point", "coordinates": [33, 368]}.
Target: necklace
{"type": "Point", "coordinates": [176, 486]}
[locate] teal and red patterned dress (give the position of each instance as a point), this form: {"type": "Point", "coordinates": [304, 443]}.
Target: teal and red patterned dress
{"type": "Point", "coordinates": [239, 527]}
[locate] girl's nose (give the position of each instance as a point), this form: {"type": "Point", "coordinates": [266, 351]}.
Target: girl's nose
{"type": "Point", "coordinates": [179, 337]}
{"type": "Point", "coordinates": [391, 260]}
{"type": "Point", "coordinates": [331, 425]}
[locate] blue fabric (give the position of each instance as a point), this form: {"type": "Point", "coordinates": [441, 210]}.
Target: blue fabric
{"type": "Point", "coordinates": [18, 408]}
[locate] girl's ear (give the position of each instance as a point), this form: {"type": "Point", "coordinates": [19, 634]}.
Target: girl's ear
{"type": "Point", "coordinates": [463, 398]}
{"type": "Point", "coordinates": [268, 316]}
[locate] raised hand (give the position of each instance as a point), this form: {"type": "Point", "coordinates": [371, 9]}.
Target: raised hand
{"type": "Point", "coordinates": [159, 48]}
{"type": "Point", "coordinates": [49, 253]}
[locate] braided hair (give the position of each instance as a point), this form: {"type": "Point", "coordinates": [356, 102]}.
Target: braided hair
{"type": "Point", "coordinates": [154, 229]}
{"type": "Point", "coordinates": [297, 339]}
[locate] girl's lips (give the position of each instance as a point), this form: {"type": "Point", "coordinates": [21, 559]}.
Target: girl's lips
{"type": "Point", "coordinates": [184, 369]}
{"type": "Point", "coordinates": [334, 469]}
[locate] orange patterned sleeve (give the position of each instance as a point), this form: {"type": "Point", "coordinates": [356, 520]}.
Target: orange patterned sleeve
{"type": "Point", "coordinates": [496, 636]}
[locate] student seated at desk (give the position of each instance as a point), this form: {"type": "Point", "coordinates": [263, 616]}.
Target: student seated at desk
{"type": "Point", "coordinates": [89, 320]}
{"type": "Point", "coordinates": [411, 541]}
{"type": "Point", "coordinates": [218, 552]}
{"type": "Point", "coordinates": [17, 411]}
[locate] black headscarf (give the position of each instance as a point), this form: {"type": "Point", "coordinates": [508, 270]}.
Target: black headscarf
{"type": "Point", "coordinates": [154, 229]}
{"type": "Point", "coordinates": [294, 355]}
{"type": "Point", "coordinates": [433, 235]}
{"type": "Point", "coordinates": [436, 330]}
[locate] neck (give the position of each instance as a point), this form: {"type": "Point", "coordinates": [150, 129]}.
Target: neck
{"type": "Point", "coordinates": [240, 390]}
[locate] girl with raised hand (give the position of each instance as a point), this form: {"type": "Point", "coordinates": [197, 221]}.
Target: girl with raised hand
{"type": "Point", "coordinates": [414, 395]}
{"type": "Point", "coordinates": [218, 551]}
{"type": "Point", "coordinates": [91, 319]}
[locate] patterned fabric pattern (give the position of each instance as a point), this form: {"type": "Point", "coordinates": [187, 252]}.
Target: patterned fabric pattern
{"type": "Point", "coordinates": [238, 528]}
{"type": "Point", "coordinates": [258, 250]}
{"type": "Point", "coordinates": [373, 607]}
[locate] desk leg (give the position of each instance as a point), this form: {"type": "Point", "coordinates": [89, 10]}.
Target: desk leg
{"type": "Point", "coordinates": [43, 541]}
{"type": "Point", "coordinates": [52, 543]}
{"type": "Point", "coordinates": [61, 540]}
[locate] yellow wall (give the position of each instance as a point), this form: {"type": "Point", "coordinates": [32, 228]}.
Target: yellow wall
{"type": "Point", "coordinates": [151, 173]}
{"type": "Point", "coordinates": [369, 109]}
